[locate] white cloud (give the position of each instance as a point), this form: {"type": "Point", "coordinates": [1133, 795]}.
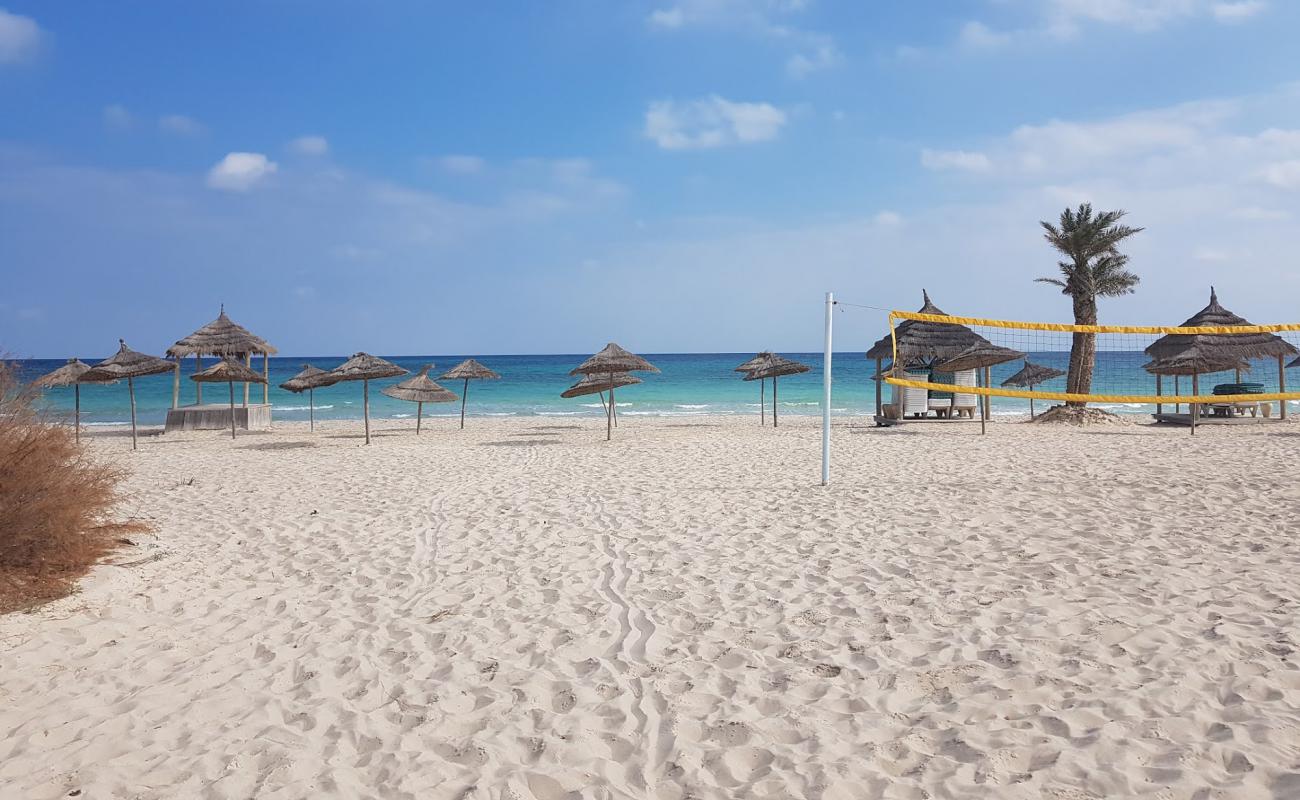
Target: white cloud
{"type": "Point", "coordinates": [809, 51]}
{"type": "Point", "coordinates": [180, 125]}
{"type": "Point", "coordinates": [1283, 174]}
{"type": "Point", "coordinates": [955, 160]}
{"type": "Point", "coordinates": [1238, 11]}
{"type": "Point", "coordinates": [888, 219]}
{"type": "Point", "coordinates": [310, 145]}
{"type": "Point", "coordinates": [461, 164]}
{"type": "Point", "coordinates": [977, 35]}
{"type": "Point", "coordinates": [823, 56]}
{"type": "Point", "coordinates": [239, 172]}
{"type": "Point", "coordinates": [711, 122]}
{"type": "Point", "coordinates": [667, 18]}
{"type": "Point", "coordinates": [117, 118]}
{"type": "Point", "coordinates": [1258, 214]}
{"type": "Point", "coordinates": [20, 38]}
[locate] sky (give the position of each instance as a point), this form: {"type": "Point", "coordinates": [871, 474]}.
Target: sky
{"type": "Point", "coordinates": [675, 175]}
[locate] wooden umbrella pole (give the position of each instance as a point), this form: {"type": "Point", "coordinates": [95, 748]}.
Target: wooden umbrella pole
{"type": "Point", "coordinates": [1195, 408]}
{"type": "Point", "coordinates": [76, 420]}
{"type": "Point", "coordinates": [419, 412]}
{"type": "Point", "coordinates": [773, 401]}
{"type": "Point", "coordinates": [762, 402]}
{"type": "Point", "coordinates": [198, 385]}
{"type": "Point", "coordinates": [266, 373]}
{"type": "Point", "coordinates": [613, 412]}
{"type": "Point", "coordinates": [983, 408]}
{"type": "Point", "coordinates": [602, 403]}
{"type": "Point", "coordinates": [1160, 407]}
{"type": "Point", "coordinates": [365, 396]}
{"type": "Point", "coordinates": [1281, 386]}
{"type": "Point", "coordinates": [232, 408]}
{"type": "Point", "coordinates": [609, 418]}
{"type": "Point", "coordinates": [1177, 391]}
{"type": "Point", "coordinates": [130, 388]}
{"type": "Point", "coordinates": [1031, 402]}
{"type": "Point", "coordinates": [464, 395]}
{"type": "Point", "coordinates": [248, 362]}
{"type": "Point", "coordinates": [311, 409]}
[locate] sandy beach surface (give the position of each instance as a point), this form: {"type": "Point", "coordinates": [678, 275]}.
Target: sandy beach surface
{"type": "Point", "coordinates": [523, 610]}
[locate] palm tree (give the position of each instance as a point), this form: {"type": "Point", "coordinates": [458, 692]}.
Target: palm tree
{"type": "Point", "coordinates": [1094, 267]}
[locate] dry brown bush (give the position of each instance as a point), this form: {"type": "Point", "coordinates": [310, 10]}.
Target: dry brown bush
{"type": "Point", "coordinates": [56, 503]}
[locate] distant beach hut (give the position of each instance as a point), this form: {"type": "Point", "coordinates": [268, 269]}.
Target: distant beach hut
{"type": "Point", "coordinates": [1174, 353]}
{"type": "Point", "coordinates": [222, 338]}
{"type": "Point", "coordinates": [921, 342]}
{"type": "Point", "coordinates": [599, 384]}
{"type": "Point", "coordinates": [365, 368]}
{"type": "Point", "coordinates": [981, 358]}
{"type": "Point", "coordinates": [1032, 375]}
{"type": "Point", "coordinates": [749, 366]}
{"type": "Point", "coordinates": [229, 372]}
{"type": "Point", "coordinates": [69, 375]}
{"type": "Point", "coordinates": [127, 365]}
{"type": "Point", "coordinates": [309, 380]}
{"type": "Point", "coordinates": [468, 370]}
{"type": "Point", "coordinates": [420, 389]}
{"type": "Point", "coordinates": [775, 366]}
{"type": "Point", "coordinates": [612, 359]}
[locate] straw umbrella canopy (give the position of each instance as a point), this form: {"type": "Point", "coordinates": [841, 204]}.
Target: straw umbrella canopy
{"type": "Point", "coordinates": [223, 338]}
{"type": "Point", "coordinates": [1295, 363]}
{"type": "Point", "coordinates": [309, 380]}
{"type": "Point", "coordinates": [922, 342]}
{"type": "Point", "coordinates": [126, 364]}
{"type": "Point", "coordinates": [599, 384]}
{"type": "Point", "coordinates": [1196, 361]}
{"type": "Point", "coordinates": [749, 366]}
{"type": "Point", "coordinates": [611, 360]}
{"type": "Point", "coordinates": [1030, 375]}
{"type": "Point", "coordinates": [420, 389]}
{"type": "Point", "coordinates": [230, 372]}
{"type": "Point", "coordinates": [468, 370]}
{"type": "Point", "coordinates": [366, 368]}
{"type": "Point", "coordinates": [68, 375]}
{"type": "Point", "coordinates": [774, 366]}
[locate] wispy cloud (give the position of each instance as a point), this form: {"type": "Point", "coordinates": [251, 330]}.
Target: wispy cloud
{"type": "Point", "coordinates": [960, 160]}
{"type": "Point", "coordinates": [809, 51]}
{"type": "Point", "coordinates": [20, 38]}
{"type": "Point", "coordinates": [118, 118]}
{"type": "Point", "coordinates": [239, 172]}
{"type": "Point", "coordinates": [711, 122]}
{"type": "Point", "coordinates": [180, 125]}
{"type": "Point", "coordinates": [460, 164]}
{"type": "Point", "coordinates": [310, 145]}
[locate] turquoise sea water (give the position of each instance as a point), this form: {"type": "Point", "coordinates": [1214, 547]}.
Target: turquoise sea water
{"type": "Point", "coordinates": [688, 385]}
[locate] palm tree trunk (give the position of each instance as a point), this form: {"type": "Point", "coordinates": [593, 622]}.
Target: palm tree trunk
{"type": "Point", "coordinates": [1083, 350]}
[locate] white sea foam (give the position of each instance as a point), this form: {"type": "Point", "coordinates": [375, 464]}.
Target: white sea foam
{"type": "Point", "coordinates": [300, 408]}
{"type": "Point", "coordinates": [691, 405]}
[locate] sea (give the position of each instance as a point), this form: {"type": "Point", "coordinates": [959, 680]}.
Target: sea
{"type": "Point", "coordinates": [688, 385]}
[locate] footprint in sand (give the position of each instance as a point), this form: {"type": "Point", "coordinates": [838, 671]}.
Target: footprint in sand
{"type": "Point", "coordinates": [563, 702]}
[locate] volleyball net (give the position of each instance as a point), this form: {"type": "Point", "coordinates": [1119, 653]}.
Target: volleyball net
{"type": "Point", "coordinates": [935, 358]}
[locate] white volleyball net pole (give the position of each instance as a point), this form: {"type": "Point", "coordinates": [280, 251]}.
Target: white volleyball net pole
{"type": "Point", "coordinates": [826, 393]}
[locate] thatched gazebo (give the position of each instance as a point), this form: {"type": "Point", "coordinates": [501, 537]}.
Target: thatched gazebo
{"type": "Point", "coordinates": [1030, 376]}
{"type": "Point", "coordinates": [222, 338]}
{"type": "Point", "coordinates": [309, 380]}
{"type": "Point", "coordinates": [1194, 361]}
{"type": "Point", "coordinates": [612, 359]}
{"type": "Point", "coordinates": [775, 366]}
{"type": "Point", "coordinates": [420, 389]}
{"type": "Point", "coordinates": [468, 370]}
{"type": "Point", "coordinates": [1236, 350]}
{"type": "Point", "coordinates": [365, 368]}
{"type": "Point", "coordinates": [126, 364]}
{"type": "Point", "coordinates": [922, 342]}
{"type": "Point", "coordinates": [749, 366]}
{"type": "Point", "coordinates": [981, 358]}
{"type": "Point", "coordinates": [229, 372]}
{"type": "Point", "coordinates": [599, 384]}
{"type": "Point", "coordinates": [69, 375]}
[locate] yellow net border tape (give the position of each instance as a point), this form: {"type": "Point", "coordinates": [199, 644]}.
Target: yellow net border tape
{"type": "Point", "coordinates": [1066, 397]}
{"type": "Point", "coordinates": [1061, 327]}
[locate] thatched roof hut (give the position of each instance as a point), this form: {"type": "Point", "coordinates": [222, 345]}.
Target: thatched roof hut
{"type": "Point", "coordinates": [612, 359]}
{"type": "Point", "coordinates": [1223, 346]}
{"type": "Point", "coordinates": [309, 380]}
{"type": "Point", "coordinates": [221, 337]}
{"type": "Point", "coordinates": [923, 341]}
{"type": "Point", "coordinates": [420, 389]}
{"type": "Point", "coordinates": [468, 370]}
{"type": "Point", "coordinates": [126, 364]}
{"type": "Point", "coordinates": [365, 368]}
{"type": "Point", "coordinates": [1196, 361]}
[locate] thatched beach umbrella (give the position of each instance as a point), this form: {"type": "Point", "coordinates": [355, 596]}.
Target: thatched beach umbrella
{"type": "Point", "coordinates": [1196, 361]}
{"type": "Point", "coordinates": [749, 366]}
{"type": "Point", "coordinates": [126, 364]}
{"type": "Point", "coordinates": [607, 362]}
{"type": "Point", "coordinates": [1030, 376]}
{"type": "Point", "coordinates": [981, 358]}
{"type": "Point", "coordinates": [1220, 347]}
{"type": "Point", "coordinates": [773, 367]}
{"type": "Point", "coordinates": [599, 384]}
{"type": "Point", "coordinates": [69, 375]}
{"type": "Point", "coordinates": [365, 368]}
{"type": "Point", "coordinates": [922, 342]}
{"type": "Point", "coordinates": [309, 380]}
{"type": "Point", "coordinates": [231, 372]}
{"type": "Point", "coordinates": [468, 370]}
{"type": "Point", "coordinates": [223, 338]}
{"type": "Point", "coordinates": [420, 389]}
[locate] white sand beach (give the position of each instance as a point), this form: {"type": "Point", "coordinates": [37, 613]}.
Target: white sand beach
{"type": "Point", "coordinates": [523, 610]}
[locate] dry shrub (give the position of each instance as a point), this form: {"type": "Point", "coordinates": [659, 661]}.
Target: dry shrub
{"type": "Point", "coordinates": [56, 504]}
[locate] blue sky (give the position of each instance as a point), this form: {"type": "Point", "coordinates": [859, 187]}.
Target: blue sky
{"type": "Point", "coordinates": [407, 177]}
